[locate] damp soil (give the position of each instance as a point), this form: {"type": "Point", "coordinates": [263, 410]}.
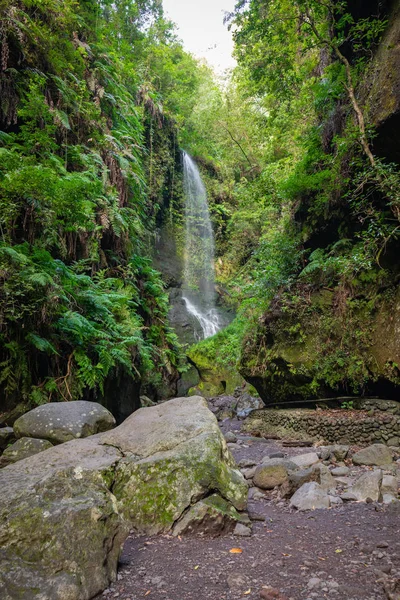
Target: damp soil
{"type": "Point", "coordinates": [348, 552]}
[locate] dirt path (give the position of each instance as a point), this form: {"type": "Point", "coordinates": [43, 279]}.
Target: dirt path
{"type": "Point", "coordinates": [343, 553]}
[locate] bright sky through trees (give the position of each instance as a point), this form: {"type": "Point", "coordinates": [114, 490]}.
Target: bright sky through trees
{"type": "Point", "coordinates": [200, 26]}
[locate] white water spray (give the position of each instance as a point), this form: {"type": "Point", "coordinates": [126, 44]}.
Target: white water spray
{"type": "Point", "coordinates": [199, 272]}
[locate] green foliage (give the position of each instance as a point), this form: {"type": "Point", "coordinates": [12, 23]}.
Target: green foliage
{"type": "Point", "coordinates": [79, 301]}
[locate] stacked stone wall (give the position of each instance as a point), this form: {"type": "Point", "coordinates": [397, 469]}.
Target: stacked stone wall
{"type": "Point", "coordinates": [333, 426]}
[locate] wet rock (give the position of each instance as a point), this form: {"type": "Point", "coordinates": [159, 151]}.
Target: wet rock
{"type": "Point", "coordinates": [305, 460]}
{"type": "Point", "coordinates": [60, 422]}
{"type": "Point", "coordinates": [368, 485]}
{"type": "Point", "coordinates": [375, 455]}
{"type": "Point", "coordinates": [309, 497]}
{"type": "Point", "coordinates": [23, 448]}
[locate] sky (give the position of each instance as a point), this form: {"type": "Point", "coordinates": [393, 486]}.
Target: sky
{"type": "Point", "coordinates": [200, 27]}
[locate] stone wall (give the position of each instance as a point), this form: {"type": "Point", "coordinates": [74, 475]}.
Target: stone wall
{"type": "Point", "coordinates": [335, 426]}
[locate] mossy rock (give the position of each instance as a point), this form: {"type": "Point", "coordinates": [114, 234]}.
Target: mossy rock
{"type": "Point", "coordinates": [65, 512]}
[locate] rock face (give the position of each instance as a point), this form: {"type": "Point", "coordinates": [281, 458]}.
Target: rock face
{"type": "Point", "coordinates": [375, 455]}
{"type": "Point", "coordinates": [61, 422]}
{"type": "Point", "coordinates": [23, 448]}
{"type": "Point", "coordinates": [66, 512]}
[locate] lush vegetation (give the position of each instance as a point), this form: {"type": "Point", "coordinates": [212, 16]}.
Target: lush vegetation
{"type": "Point", "coordinates": [90, 97]}
{"type": "Point", "coordinates": [303, 202]}
{"type": "Point", "coordinates": [96, 100]}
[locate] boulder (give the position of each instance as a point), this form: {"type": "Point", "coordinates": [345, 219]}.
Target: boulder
{"type": "Point", "coordinates": [7, 436]}
{"type": "Point", "coordinates": [23, 448]}
{"type": "Point", "coordinates": [65, 512]}
{"type": "Point", "coordinates": [213, 516]}
{"type": "Point", "coordinates": [389, 489]}
{"type": "Point", "coordinates": [246, 404]}
{"type": "Point", "coordinates": [61, 422]}
{"type": "Point", "coordinates": [309, 497]}
{"type": "Point", "coordinates": [230, 437]}
{"type": "Point", "coordinates": [272, 472]}
{"type": "Point", "coordinates": [296, 479]}
{"type": "Point", "coordinates": [318, 473]}
{"type": "Point", "coordinates": [368, 485]}
{"type": "Point", "coordinates": [305, 460]}
{"type": "Point", "coordinates": [286, 462]}
{"type": "Point", "coordinates": [340, 471]}
{"type": "Point", "coordinates": [339, 451]}
{"type": "Point", "coordinates": [324, 477]}
{"type": "Point", "coordinates": [376, 455]}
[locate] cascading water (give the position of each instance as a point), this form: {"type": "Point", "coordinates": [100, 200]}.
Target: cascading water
{"type": "Point", "coordinates": [199, 273]}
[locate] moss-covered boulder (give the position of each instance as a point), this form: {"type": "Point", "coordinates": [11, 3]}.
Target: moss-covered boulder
{"type": "Point", "coordinates": [23, 448]}
{"type": "Point", "coordinates": [65, 513]}
{"type": "Point", "coordinates": [60, 422]}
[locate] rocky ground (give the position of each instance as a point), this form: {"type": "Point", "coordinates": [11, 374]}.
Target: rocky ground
{"type": "Point", "coordinates": [350, 551]}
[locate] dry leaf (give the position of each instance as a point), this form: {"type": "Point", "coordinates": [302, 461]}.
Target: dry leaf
{"type": "Point", "coordinates": [247, 593]}
{"type": "Point", "coordinates": [236, 551]}
{"type": "Point", "coordinates": [320, 558]}
{"type": "Point", "coordinates": [148, 592]}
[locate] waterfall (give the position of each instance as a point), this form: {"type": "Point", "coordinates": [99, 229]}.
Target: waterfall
{"type": "Point", "coordinates": [199, 272]}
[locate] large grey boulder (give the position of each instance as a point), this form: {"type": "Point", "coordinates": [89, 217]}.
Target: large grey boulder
{"type": "Point", "coordinates": [310, 497]}
{"type": "Point", "coordinates": [61, 422]}
{"type": "Point", "coordinates": [65, 513]}
{"type": "Point", "coordinates": [368, 485]}
{"type": "Point", "coordinates": [376, 455]}
{"type": "Point", "coordinates": [23, 448]}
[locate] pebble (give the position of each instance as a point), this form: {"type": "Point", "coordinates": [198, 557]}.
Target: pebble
{"type": "Point", "coordinates": [314, 583]}
{"type": "Point", "coordinates": [382, 545]}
